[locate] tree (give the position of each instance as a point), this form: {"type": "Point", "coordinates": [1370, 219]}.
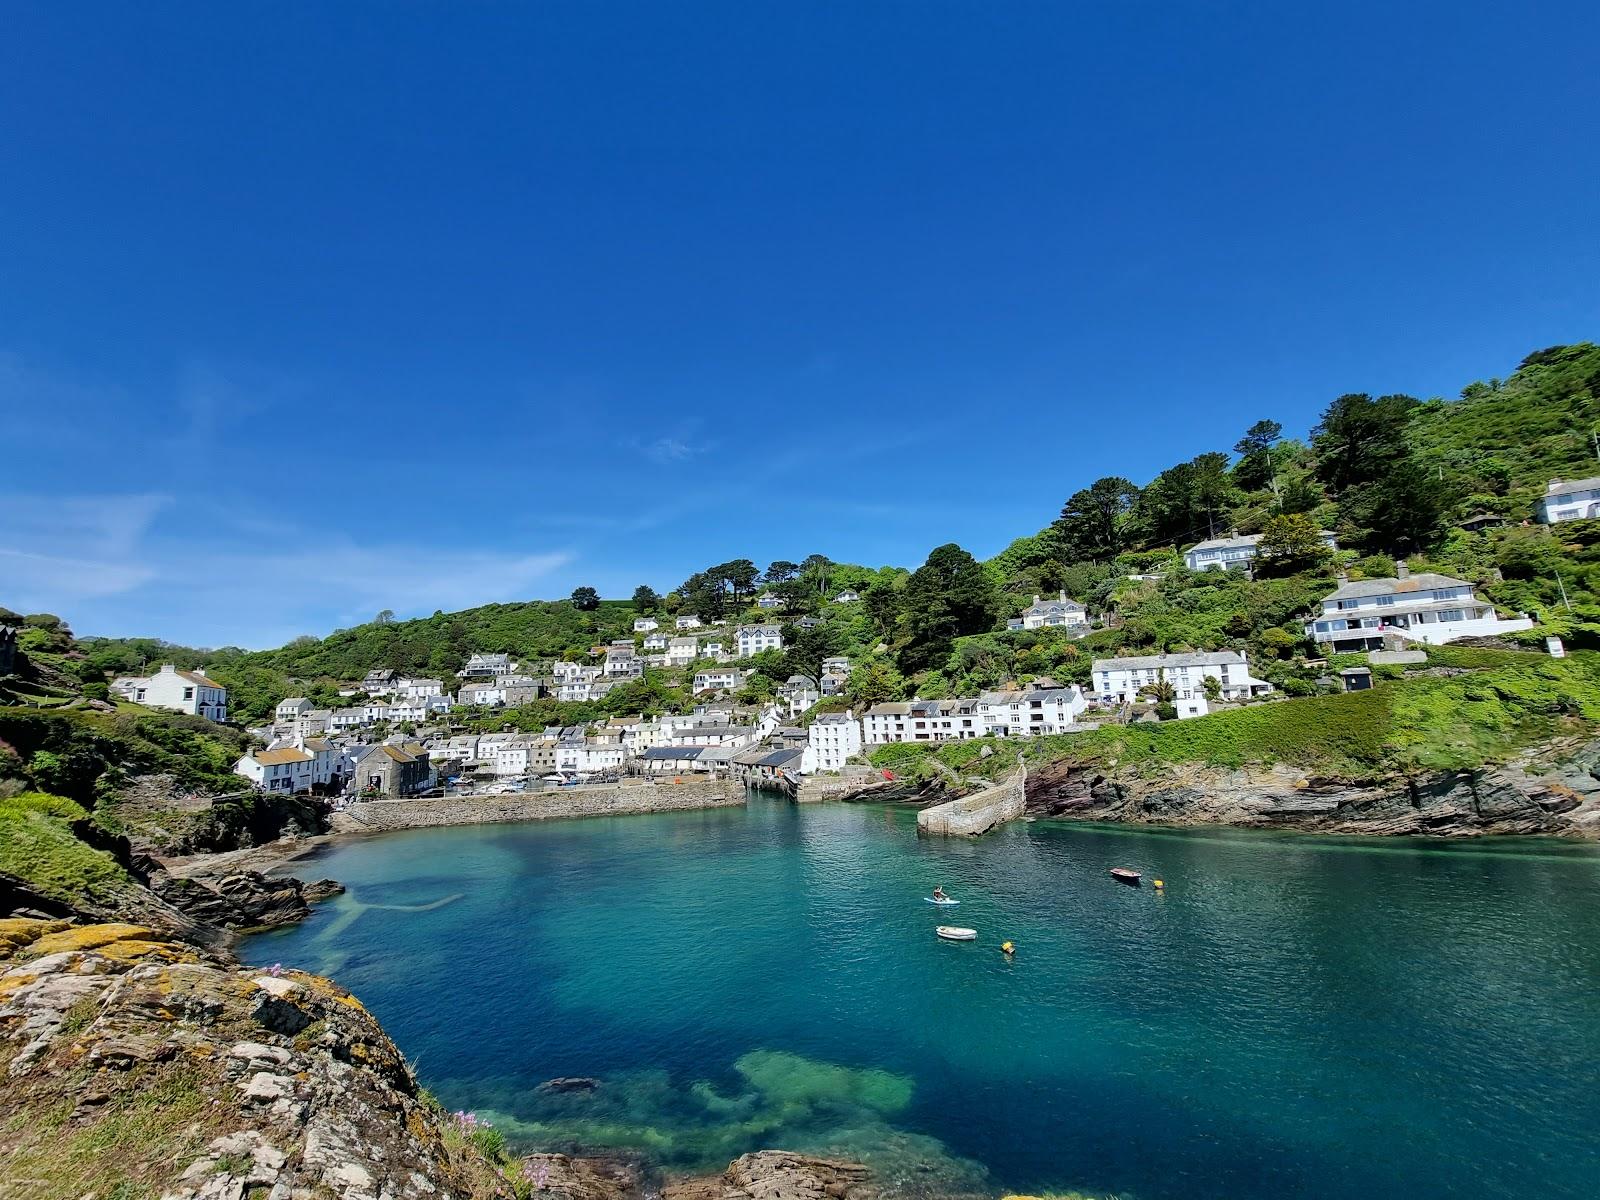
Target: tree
{"type": "Point", "coordinates": [1359, 439]}
{"type": "Point", "coordinates": [1093, 522]}
{"type": "Point", "coordinates": [804, 648]}
{"type": "Point", "coordinates": [1160, 690]}
{"type": "Point", "coordinates": [819, 571]}
{"type": "Point", "coordinates": [881, 602]}
{"type": "Point", "coordinates": [1290, 542]}
{"type": "Point", "coordinates": [645, 598]}
{"type": "Point", "coordinates": [386, 617]}
{"type": "Point", "coordinates": [949, 596]}
{"type": "Point", "coordinates": [1254, 470]}
{"type": "Point", "coordinates": [782, 570]}
{"type": "Point", "coordinates": [585, 599]}
{"type": "Point", "coordinates": [875, 682]}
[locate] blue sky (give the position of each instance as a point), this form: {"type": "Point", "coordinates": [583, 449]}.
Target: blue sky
{"type": "Point", "coordinates": [311, 310]}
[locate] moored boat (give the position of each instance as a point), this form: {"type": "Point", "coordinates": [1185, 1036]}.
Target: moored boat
{"type": "Point", "coordinates": [1126, 875]}
{"type": "Point", "coordinates": [955, 933]}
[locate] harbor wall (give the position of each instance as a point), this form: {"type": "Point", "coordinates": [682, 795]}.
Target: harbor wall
{"type": "Point", "coordinates": [980, 812]}
{"type": "Point", "coordinates": [552, 804]}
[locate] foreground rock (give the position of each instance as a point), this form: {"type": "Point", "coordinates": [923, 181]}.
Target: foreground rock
{"type": "Point", "coordinates": [1554, 791]}
{"type": "Point", "coordinates": [141, 1066]}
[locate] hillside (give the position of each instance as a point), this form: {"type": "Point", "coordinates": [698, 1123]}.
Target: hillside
{"type": "Point", "coordinates": [1388, 475]}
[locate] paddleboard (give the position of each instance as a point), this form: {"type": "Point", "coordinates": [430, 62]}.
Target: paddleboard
{"type": "Point", "coordinates": [941, 903]}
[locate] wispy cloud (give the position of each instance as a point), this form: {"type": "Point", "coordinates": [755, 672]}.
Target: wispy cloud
{"type": "Point", "coordinates": [672, 449]}
{"type": "Point", "coordinates": [106, 564]}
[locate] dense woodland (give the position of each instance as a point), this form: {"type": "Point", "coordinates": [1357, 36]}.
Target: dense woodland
{"type": "Point", "coordinates": [1391, 475]}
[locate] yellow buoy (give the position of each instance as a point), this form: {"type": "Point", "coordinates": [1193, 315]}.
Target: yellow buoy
{"type": "Point", "coordinates": [1008, 948]}
{"type": "Point", "coordinates": [1160, 884]}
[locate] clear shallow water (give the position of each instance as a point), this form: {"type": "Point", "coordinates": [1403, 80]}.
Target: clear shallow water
{"type": "Point", "coordinates": [1295, 1016]}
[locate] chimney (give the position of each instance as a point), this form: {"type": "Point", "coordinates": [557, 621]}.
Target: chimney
{"type": "Point", "coordinates": [1036, 599]}
{"type": "Point", "coordinates": [1063, 595]}
{"type": "Point", "coordinates": [1344, 578]}
{"type": "Point", "coordinates": [1401, 570]}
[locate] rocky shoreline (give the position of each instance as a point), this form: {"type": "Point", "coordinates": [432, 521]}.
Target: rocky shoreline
{"type": "Point", "coordinates": [1554, 792]}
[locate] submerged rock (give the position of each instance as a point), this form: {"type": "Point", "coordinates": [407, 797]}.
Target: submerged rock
{"type": "Point", "coordinates": [777, 1175]}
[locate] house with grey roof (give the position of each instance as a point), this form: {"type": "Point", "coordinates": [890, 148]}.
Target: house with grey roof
{"type": "Point", "coordinates": [1059, 613]}
{"type": "Point", "coordinates": [1426, 607]}
{"type": "Point", "coordinates": [1234, 551]}
{"type": "Point", "coordinates": [1572, 500]}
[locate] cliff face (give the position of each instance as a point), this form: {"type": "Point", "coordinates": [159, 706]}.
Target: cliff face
{"type": "Point", "coordinates": [1555, 791]}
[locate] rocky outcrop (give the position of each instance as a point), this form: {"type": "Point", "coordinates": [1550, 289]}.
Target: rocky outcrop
{"type": "Point", "coordinates": [777, 1175]}
{"type": "Point", "coordinates": [141, 1066]}
{"type": "Point", "coordinates": [239, 900]}
{"type": "Point", "coordinates": [1553, 791]}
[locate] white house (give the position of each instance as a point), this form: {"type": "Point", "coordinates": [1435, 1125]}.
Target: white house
{"type": "Point", "coordinates": [622, 662]}
{"type": "Point", "coordinates": [1031, 713]}
{"type": "Point", "coordinates": [798, 693]}
{"type": "Point", "coordinates": [1421, 608]}
{"type": "Point", "coordinates": [413, 709]}
{"type": "Point", "coordinates": [419, 689]}
{"type": "Point", "coordinates": [687, 621]}
{"type": "Point", "coordinates": [1219, 554]}
{"type": "Point", "coordinates": [752, 639]}
{"type": "Point", "coordinates": [375, 710]}
{"type": "Point", "coordinates": [681, 651]}
{"type": "Point", "coordinates": [656, 641]}
{"type": "Point", "coordinates": [1573, 500]}
{"type": "Point", "coordinates": [645, 624]}
{"type": "Point", "coordinates": [1121, 680]}
{"type": "Point", "coordinates": [178, 691]}
{"type": "Point", "coordinates": [589, 758]}
{"type": "Point", "coordinates": [1059, 613]}
{"type": "Point", "coordinates": [921, 721]}
{"type": "Point", "coordinates": [834, 737]}
{"type": "Point", "coordinates": [847, 597]}
{"type": "Point", "coordinates": [288, 710]}
{"type": "Point", "coordinates": [312, 722]}
{"type": "Point", "coordinates": [346, 718]}
{"type": "Point", "coordinates": [483, 665]}
{"type": "Point", "coordinates": [286, 769]}
{"type": "Point", "coordinates": [719, 679]}
{"type": "Point", "coordinates": [768, 600]}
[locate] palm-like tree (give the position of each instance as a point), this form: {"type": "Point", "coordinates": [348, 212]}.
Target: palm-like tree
{"type": "Point", "coordinates": [1161, 691]}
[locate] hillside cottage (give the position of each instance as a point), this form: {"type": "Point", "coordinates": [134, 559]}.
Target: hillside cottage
{"type": "Point", "coordinates": [1059, 613]}
{"type": "Point", "coordinates": [1233, 551]}
{"type": "Point", "coordinates": [752, 639]}
{"type": "Point", "coordinates": [687, 621]}
{"type": "Point", "coordinates": [177, 691]}
{"type": "Point", "coordinates": [834, 738]}
{"type": "Point", "coordinates": [1574, 500]}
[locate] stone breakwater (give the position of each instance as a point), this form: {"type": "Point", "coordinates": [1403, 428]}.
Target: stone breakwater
{"type": "Point", "coordinates": [1553, 791]}
{"type": "Point", "coordinates": [980, 812]}
{"type": "Point", "coordinates": [623, 800]}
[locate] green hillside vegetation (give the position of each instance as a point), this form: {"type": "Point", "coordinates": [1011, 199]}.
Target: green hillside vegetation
{"type": "Point", "coordinates": [39, 847]}
{"type": "Point", "coordinates": [1424, 719]}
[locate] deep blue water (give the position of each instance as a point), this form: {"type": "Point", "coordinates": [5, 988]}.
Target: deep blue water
{"type": "Point", "coordinates": [1295, 1016]}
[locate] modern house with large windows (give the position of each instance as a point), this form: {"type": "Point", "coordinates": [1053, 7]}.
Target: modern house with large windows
{"type": "Point", "coordinates": [1234, 551]}
{"type": "Point", "coordinates": [1426, 608]}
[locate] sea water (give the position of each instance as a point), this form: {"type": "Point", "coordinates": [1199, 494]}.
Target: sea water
{"type": "Point", "coordinates": [1289, 1016]}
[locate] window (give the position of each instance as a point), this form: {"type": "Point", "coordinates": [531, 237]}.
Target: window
{"type": "Point", "coordinates": [188, 693]}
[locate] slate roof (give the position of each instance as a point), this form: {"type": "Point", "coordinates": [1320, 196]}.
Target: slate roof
{"type": "Point", "coordinates": [1210, 658]}
{"type": "Point", "coordinates": [1426, 581]}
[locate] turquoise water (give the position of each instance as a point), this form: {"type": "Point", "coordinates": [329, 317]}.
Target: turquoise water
{"type": "Point", "coordinates": [1295, 1016]}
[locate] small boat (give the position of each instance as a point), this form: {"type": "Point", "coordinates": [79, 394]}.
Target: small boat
{"type": "Point", "coordinates": [955, 933]}
{"type": "Point", "coordinates": [945, 903]}
{"type": "Point", "coordinates": [1126, 875]}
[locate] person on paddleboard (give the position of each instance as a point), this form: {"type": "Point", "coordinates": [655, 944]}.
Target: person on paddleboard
{"type": "Point", "coordinates": [938, 894]}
